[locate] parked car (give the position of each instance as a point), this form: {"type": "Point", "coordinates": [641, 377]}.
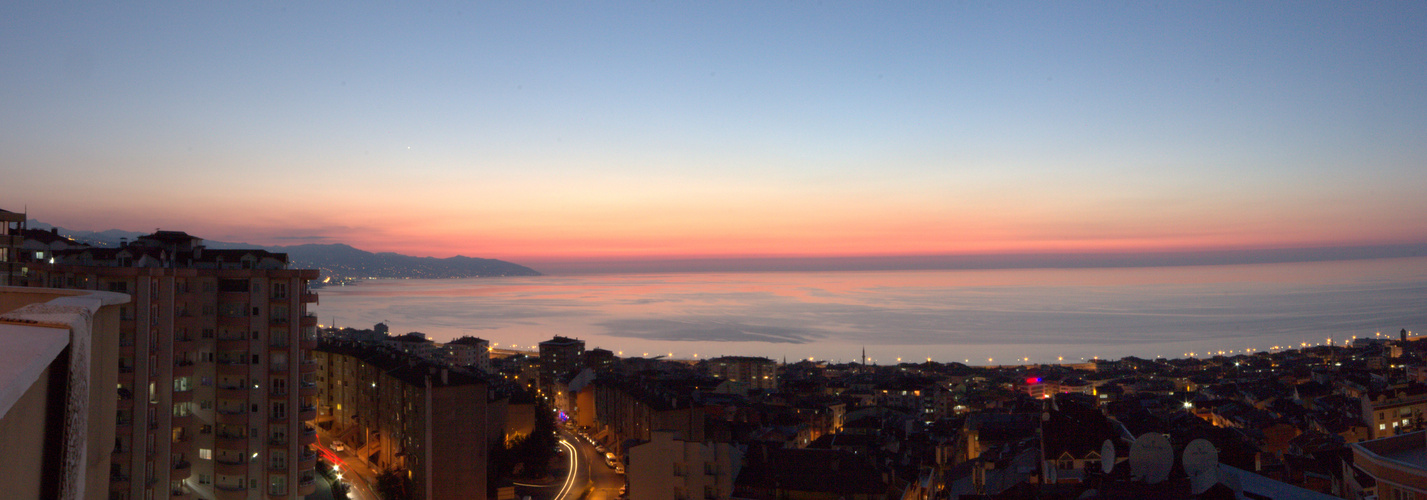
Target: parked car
{"type": "Point", "coordinates": [338, 445]}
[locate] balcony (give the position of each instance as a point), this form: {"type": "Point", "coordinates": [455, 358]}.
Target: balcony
{"type": "Point", "coordinates": [181, 494]}
{"type": "Point", "coordinates": [278, 321]}
{"type": "Point", "coordinates": [233, 417]}
{"type": "Point", "coordinates": [233, 344]}
{"type": "Point", "coordinates": [307, 485]}
{"type": "Point", "coordinates": [183, 345]}
{"type": "Point", "coordinates": [309, 366]}
{"type": "Point", "coordinates": [181, 470]}
{"type": "Point", "coordinates": [307, 437]}
{"type": "Point", "coordinates": [182, 420]}
{"type": "Point", "coordinates": [183, 368]}
{"type": "Point", "coordinates": [278, 394]}
{"type": "Point", "coordinates": [232, 368]}
{"type": "Point", "coordinates": [232, 392]}
{"type": "Point", "coordinates": [183, 396]}
{"type": "Point", "coordinates": [277, 442]}
{"type": "Point", "coordinates": [308, 319]}
{"type": "Point", "coordinates": [230, 492]}
{"type": "Point", "coordinates": [278, 367]}
{"type": "Point", "coordinates": [307, 413]}
{"type": "Point", "coordinates": [309, 298]}
{"type": "Point", "coordinates": [233, 321]}
{"type": "Point", "coordinates": [307, 389]}
{"type": "Point", "coordinates": [230, 468]}
{"type": "Point", "coordinates": [231, 442]}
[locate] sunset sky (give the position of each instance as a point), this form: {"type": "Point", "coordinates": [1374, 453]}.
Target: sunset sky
{"type": "Point", "coordinates": [599, 130]}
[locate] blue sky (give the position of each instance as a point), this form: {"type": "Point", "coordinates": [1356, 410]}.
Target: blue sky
{"type": "Point", "coordinates": [639, 130]}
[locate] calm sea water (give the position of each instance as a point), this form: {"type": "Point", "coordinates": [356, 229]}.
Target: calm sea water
{"type": "Point", "coordinates": [975, 316]}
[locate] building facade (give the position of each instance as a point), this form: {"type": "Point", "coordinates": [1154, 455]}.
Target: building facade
{"type": "Point", "coordinates": [11, 225]}
{"type": "Point", "coordinates": [214, 381]}
{"type": "Point", "coordinates": [560, 358]}
{"type": "Point", "coordinates": [399, 411]}
{"type": "Point", "coordinates": [469, 352]}
{"type": "Point", "coordinates": [758, 373]}
{"type": "Point", "coordinates": [666, 467]}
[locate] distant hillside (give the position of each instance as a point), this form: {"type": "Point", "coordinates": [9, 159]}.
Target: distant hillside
{"type": "Point", "coordinates": [338, 261]}
{"type": "Point", "coordinates": [342, 261]}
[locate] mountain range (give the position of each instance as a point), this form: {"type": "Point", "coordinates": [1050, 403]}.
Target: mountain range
{"type": "Point", "coordinates": [338, 262]}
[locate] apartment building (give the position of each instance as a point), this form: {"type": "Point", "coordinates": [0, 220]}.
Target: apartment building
{"type": "Point", "coordinates": [560, 357]}
{"type": "Point", "coordinates": [214, 382]}
{"type": "Point", "coordinates": [11, 225]}
{"type": "Point", "coordinates": [1394, 411]}
{"type": "Point", "coordinates": [666, 467]}
{"type": "Point", "coordinates": [758, 373]}
{"type": "Point", "coordinates": [470, 352]}
{"type": "Point", "coordinates": [399, 411]}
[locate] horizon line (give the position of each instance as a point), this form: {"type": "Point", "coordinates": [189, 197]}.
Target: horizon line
{"type": "Point", "coordinates": [933, 262]}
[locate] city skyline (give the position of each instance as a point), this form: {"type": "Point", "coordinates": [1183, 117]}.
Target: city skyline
{"type": "Point", "coordinates": [627, 132]}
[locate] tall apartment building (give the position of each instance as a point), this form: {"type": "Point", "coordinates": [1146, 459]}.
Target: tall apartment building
{"type": "Point", "coordinates": [400, 411]}
{"type": "Point", "coordinates": [560, 357]}
{"type": "Point", "coordinates": [470, 352]}
{"type": "Point", "coordinates": [758, 373]}
{"type": "Point", "coordinates": [11, 225]}
{"type": "Point", "coordinates": [214, 380]}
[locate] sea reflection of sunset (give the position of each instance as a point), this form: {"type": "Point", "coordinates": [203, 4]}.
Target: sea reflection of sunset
{"type": "Point", "coordinates": [961, 315]}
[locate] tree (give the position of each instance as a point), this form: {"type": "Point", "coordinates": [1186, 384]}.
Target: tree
{"type": "Point", "coordinates": [534, 452]}
{"type": "Point", "coordinates": [394, 484]}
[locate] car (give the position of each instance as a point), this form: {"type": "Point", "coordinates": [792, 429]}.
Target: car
{"type": "Point", "coordinates": [338, 445]}
{"type": "Point", "coordinates": [619, 468]}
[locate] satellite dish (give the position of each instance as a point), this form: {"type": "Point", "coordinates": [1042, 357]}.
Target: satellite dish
{"type": "Point", "coordinates": [1107, 456]}
{"type": "Point", "coordinates": [1201, 464]}
{"type": "Point", "coordinates": [1151, 458]}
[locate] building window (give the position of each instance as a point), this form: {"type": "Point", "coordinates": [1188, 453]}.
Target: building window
{"type": "Point", "coordinates": [205, 453]}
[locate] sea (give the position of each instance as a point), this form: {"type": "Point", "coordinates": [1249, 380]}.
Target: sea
{"type": "Point", "coordinates": [978, 317]}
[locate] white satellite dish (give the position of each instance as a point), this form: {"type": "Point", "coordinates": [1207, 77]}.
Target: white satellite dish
{"type": "Point", "coordinates": [1151, 458]}
{"type": "Point", "coordinates": [1107, 456]}
{"type": "Point", "coordinates": [1201, 464]}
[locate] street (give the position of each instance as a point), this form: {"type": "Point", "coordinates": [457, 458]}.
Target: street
{"type": "Point", "coordinates": [606, 481]}
{"type": "Point", "coordinates": [354, 472]}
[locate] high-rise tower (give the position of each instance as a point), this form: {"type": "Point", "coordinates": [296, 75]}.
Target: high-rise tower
{"type": "Point", "coordinates": [215, 380]}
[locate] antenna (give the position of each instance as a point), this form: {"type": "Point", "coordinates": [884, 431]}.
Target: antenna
{"type": "Point", "coordinates": [1151, 458]}
{"type": "Point", "coordinates": [1201, 464]}
{"type": "Point", "coordinates": [1107, 456]}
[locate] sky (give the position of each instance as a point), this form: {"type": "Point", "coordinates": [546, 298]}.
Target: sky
{"type": "Point", "coordinates": [612, 131]}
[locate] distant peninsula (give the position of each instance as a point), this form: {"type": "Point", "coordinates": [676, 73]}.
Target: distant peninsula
{"type": "Point", "coordinates": [340, 263]}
